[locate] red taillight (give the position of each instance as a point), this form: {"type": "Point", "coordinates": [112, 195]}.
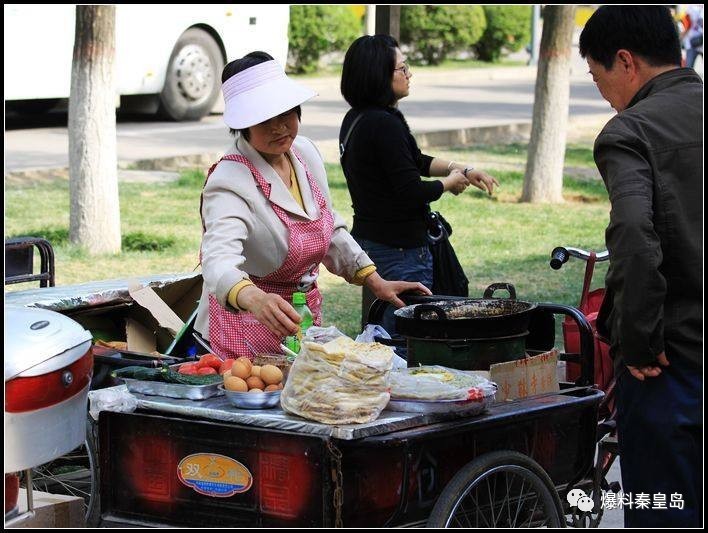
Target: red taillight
{"type": "Point", "coordinates": [36, 392]}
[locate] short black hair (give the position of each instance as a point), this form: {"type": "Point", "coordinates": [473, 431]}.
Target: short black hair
{"type": "Point", "coordinates": [239, 65]}
{"type": "Point", "coordinates": [648, 31]}
{"type": "Point", "coordinates": [368, 71]}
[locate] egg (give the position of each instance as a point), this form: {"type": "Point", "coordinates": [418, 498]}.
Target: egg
{"type": "Point", "coordinates": [255, 390]}
{"type": "Point", "coordinates": [246, 361]}
{"type": "Point", "coordinates": [235, 384]}
{"type": "Point", "coordinates": [271, 374]}
{"type": "Point", "coordinates": [256, 371]}
{"type": "Point", "coordinates": [254, 382]}
{"type": "Point", "coordinates": [240, 370]}
{"type": "Point", "coordinates": [270, 388]}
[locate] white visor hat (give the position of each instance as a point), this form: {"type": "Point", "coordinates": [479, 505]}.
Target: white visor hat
{"type": "Point", "coordinates": [260, 93]}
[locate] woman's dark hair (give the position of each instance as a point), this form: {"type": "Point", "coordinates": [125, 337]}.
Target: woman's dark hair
{"type": "Point", "coordinates": [368, 70]}
{"type": "Point", "coordinates": [648, 31]}
{"type": "Point", "coordinates": [239, 65]}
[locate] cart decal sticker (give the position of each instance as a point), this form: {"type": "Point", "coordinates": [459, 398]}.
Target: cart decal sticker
{"type": "Point", "coordinates": [214, 475]}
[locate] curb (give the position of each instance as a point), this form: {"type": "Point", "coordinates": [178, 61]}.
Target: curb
{"type": "Point", "coordinates": [165, 169]}
{"type": "Point", "coordinates": [504, 133]}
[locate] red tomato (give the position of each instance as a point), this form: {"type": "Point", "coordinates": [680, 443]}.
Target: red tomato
{"type": "Point", "coordinates": [189, 369]}
{"type": "Point", "coordinates": [206, 370]}
{"type": "Point", "coordinates": [210, 360]}
{"type": "Point", "coordinates": [226, 365]}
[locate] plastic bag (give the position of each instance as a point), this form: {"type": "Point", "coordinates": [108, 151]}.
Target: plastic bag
{"type": "Point", "coordinates": [322, 335]}
{"type": "Point", "coordinates": [116, 399]}
{"type": "Point", "coordinates": [340, 382]}
{"type": "Point", "coordinates": [371, 331]}
{"type": "Point", "coordinates": [438, 383]}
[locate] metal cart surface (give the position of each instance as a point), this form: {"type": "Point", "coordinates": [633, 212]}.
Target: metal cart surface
{"type": "Point", "coordinates": [508, 467]}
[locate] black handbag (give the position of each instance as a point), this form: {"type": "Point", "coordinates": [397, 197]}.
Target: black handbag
{"type": "Point", "coordinates": [449, 277]}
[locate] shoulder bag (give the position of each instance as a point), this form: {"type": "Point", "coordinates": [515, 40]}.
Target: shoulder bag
{"type": "Point", "coordinates": [449, 277]}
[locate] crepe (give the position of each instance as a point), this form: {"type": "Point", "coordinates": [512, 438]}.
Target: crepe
{"type": "Point", "coordinates": [436, 382]}
{"type": "Point", "coordinates": [340, 382]}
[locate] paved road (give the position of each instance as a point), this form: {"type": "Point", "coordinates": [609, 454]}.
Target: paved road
{"type": "Point", "coordinates": [439, 100]}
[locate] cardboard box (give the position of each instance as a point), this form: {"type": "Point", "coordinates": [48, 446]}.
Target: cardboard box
{"type": "Point", "coordinates": [52, 510]}
{"type": "Point", "coordinates": [526, 377]}
{"type": "Point", "coordinates": [151, 321]}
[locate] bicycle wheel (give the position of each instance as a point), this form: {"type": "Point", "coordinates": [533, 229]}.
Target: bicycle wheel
{"type": "Point", "coordinates": [499, 489]}
{"type": "Point", "coordinates": [73, 474]}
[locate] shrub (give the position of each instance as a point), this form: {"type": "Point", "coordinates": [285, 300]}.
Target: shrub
{"type": "Point", "coordinates": [432, 33]}
{"type": "Point", "coordinates": [316, 29]}
{"type": "Point", "coordinates": [141, 242]}
{"type": "Point", "coordinates": [191, 178]}
{"type": "Point", "coordinates": [508, 29]}
{"type": "Point", "coordinates": [55, 236]}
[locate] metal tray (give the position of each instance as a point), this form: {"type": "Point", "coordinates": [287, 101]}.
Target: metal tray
{"type": "Point", "coordinates": [173, 390]}
{"type": "Point", "coordinates": [469, 407]}
{"type": "Point", "coordinates": [252, 400]}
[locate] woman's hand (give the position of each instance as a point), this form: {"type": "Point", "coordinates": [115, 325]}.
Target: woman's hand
{"type": "Point", "coordinates": [456, 182]}
{"type": "Point", "coordinates": [270, 310]}
{"type": "Point", "coordinates": [389, 290]}
{"type": "Point", "coordinates": [482, 180]}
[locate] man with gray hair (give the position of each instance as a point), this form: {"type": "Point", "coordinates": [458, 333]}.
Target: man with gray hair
{"type": "Point", "coordinates": [650, 158]}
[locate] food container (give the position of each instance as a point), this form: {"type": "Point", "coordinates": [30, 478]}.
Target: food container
{"type": "Point", "coordinates": [173, 390]}
{"type": "Point", "coordinates": [467, 318]}
{"type": "Point", "coordinates": [278, 360]}
{"type": "Point", "coordinates": [468, 407]}
{"type": "Point", "coordinates": [252, 400]}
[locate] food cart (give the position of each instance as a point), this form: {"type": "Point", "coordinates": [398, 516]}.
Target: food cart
{"type": "Point", "coordinates": [204, 463]}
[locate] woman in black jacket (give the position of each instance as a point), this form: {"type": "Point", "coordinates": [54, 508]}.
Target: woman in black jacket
{"type": "Point", "coordinates": [383, 164]}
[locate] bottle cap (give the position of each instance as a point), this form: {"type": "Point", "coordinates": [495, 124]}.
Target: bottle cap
{"type": "Point", "coordinates": [299, 298]}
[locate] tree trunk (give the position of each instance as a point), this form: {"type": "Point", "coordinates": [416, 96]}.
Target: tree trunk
{"type": "Point", "coordinates": [543, 181]}
{"type": "Point", "coordinates": [95, 214]}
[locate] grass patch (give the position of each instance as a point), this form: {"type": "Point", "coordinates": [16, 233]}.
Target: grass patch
{"type": "Point", "coordinates": [56, 236]}
{"type": "Point", "coordinates": [141, 242]}
{"type": "Point", "coordinates": [191, 178]}
{"type": "Point", "coordinates": [497, 238]}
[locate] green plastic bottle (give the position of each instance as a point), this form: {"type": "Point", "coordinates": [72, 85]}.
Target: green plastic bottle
{"type": "Point", "coordinates": [294, 342]}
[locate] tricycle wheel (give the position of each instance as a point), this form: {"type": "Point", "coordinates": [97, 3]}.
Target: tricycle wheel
{"type": "Point", "coordinates": [499, 489]}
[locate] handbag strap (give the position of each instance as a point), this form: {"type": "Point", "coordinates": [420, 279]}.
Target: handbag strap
{"type": "Point", "coordinates": [345, 141]}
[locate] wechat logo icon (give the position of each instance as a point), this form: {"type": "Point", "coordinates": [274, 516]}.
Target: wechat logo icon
{"type": "Point", "coordinates": [578, 498]}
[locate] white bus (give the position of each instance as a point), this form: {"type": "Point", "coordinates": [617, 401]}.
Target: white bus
{"type": "Point", "coordinates": [168, 59]}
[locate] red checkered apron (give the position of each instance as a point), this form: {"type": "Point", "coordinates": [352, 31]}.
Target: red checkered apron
{"type": "Point", "coordinates": [230, 334]}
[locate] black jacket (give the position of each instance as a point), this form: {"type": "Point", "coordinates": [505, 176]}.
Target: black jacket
{"type": "Point", "coordinates": [651, 159]}
{"type": "Point", "coordinates": [383, 165]}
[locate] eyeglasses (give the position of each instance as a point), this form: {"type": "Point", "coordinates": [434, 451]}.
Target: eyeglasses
{"type": "Point", "coordinates": [405, 69]}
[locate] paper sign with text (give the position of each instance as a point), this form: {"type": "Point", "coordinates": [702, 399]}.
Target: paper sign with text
{"type": "Point", "coordinates": [526, 377]}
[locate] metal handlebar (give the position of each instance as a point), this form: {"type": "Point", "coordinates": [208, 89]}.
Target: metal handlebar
{"type": "Point", "coordinates": [560, 255]}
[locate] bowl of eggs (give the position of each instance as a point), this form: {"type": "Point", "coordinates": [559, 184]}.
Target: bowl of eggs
{"type": "Point", "coordinates": [250, 386]}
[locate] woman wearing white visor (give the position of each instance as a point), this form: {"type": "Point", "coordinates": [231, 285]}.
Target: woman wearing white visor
{"type": "Point", "coordinates": [268, 221]}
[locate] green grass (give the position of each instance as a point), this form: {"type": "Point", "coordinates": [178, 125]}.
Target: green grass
{"type": "Point", "coordinates": [496, 238]}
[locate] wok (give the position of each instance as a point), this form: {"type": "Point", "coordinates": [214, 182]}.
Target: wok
{"type": "Point", "coordinates": [467, 318]}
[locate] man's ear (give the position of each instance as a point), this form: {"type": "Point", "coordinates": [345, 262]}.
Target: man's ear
{"type": "Point", "coordinates": [626, 60]}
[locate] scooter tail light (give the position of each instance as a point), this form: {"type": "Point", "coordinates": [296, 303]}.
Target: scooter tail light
{"type": "Point", "coordinates": [23, 394]}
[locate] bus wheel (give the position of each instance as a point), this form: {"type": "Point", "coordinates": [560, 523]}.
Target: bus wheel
{"type": "Point", "coordinates": [193, 77]}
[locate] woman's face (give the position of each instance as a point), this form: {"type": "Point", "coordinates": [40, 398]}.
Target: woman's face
{"type": "Point", "coordinates": [401, 77]}
{"type": "Point", "coordinates": [276, 135]}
